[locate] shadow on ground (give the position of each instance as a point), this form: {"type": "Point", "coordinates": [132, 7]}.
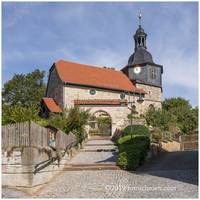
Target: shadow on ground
{"type": "Point", "coordinates": [112, 158]}
{"type": "Point", "coordinates": [181, 166]}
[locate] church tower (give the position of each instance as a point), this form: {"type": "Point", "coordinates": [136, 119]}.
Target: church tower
{"type": "Point", "coordinates": [142, 70]}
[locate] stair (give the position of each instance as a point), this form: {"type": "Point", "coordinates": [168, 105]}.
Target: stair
{"type": "Point", "coordinates": [95, 166]}
{"type": "Point", "coordinates": [97, 154]}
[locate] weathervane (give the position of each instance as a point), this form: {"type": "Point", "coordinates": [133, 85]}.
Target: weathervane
{"type": "Point", "coordinates": [140, 18]}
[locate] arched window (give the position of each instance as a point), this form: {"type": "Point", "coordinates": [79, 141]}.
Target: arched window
{"type": "Point", "coordinates": [133, 108]}
{"type": "Point", "coordinates": [142, 41]}
{"type": "Point", "coordinates": [122, 96]}
{"type": "Point", "coordinates": [151, 107]}
{"type": "Point", "coordinates": [139, 41]}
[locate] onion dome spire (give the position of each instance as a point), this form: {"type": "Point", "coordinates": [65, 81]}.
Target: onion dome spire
{"type": "Point", "coordinates": [140, 36]}
{"type": "Point", "coordinates": [140, 55]}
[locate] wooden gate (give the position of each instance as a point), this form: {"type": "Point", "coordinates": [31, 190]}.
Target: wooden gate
{"type": "Point", "coordinates": [104, 129]}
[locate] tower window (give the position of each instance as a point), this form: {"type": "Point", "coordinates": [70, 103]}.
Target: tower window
{"type": "Point", "coordinates": [152, 72]}
{"type": "Point", "coordinates": [139, 41]}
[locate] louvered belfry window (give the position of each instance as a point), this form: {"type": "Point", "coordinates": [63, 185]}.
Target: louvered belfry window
{"type": "Point", "coordinates": [152, 72]}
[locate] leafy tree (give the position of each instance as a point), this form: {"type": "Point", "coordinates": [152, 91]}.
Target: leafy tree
{"type": "Point", "coordinates": [76, 120]}
{"type": "Point", "coordinates": [24, 90]}
{"type": "Point", "coordinates": [159, 118]}
{"type": "Point", "coordinates": [18, 113]}
{"type": "Point", "coordinates": [170, 104]}
{"type": "Point", "coordinates": [177, 115]}
{"type": "Point", "coordinates": [73, 119]}
{"type": "Point", "coordinates": [57, 120]}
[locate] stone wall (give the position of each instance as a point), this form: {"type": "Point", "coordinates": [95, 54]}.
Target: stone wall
{"type": "Point", "coordinates": [152, 97]}
{"type": "Point", "coordinates": [79, 92]}
{"type": "Point", "coordinates": [171, 146]}
{"type": "Point", "coordinates": [118, 113]}
{"type": "Point", "coordinates": [55, 87]}
{"type": "Point", "coordinates": [18, 167]}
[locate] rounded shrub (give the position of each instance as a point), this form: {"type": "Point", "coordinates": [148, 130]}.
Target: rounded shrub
{"type": "Point", "coordinates": [132, 151]}
{"type": "Point", "coordinates": [136, 130]}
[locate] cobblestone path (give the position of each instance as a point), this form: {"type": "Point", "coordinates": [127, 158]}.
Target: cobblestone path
{"type": "Point", "coordinates": [153, 180]}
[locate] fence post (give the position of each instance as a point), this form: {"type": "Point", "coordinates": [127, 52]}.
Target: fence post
{"type": "Point", "coordinates": [29, 132]}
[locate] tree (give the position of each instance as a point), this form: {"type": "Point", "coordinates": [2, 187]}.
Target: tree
{"type": "Point", "coordinates": [16, 113]}
{"type": "Point", "coordinates": [73, 119]}
{"type": "Point", "coordinates": [170, 104]}
{"type": "Point", "coordinates": [24, 90]}
{"type": "Point", "coordinates": [177, 115]}
{"type": "Point", "coordinates": [186, 116]}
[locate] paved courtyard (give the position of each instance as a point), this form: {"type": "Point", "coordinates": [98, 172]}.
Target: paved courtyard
{"type": "Point", "coordinates": [171, 175]}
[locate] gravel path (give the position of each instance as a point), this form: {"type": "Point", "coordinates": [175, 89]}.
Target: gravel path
{"type": "Point", "coordinates": [171, 175]}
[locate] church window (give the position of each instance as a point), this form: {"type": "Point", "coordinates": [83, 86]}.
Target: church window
{"type": "Point", "coordinates": [153, 73]}
{"type": "Point", "coordinates": [122, 96]}
{"type": "Point", "coordinates": [92, 92]}
{"type": "Point", "coordinates": [151, 107]}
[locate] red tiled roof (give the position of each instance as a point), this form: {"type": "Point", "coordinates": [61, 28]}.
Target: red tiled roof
{"type": "Point", "coordinates": [100, 102]}
{"type": "Point", "coordinates": [51, 105]}
{"type": "Point", "coordinates": [82, 74]}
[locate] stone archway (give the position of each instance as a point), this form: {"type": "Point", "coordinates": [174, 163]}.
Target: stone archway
{"type": "Point", "coordinates": [101, 123]}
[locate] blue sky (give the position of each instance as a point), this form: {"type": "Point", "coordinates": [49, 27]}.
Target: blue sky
{"type": "Point", "coordinates": [34, 35]}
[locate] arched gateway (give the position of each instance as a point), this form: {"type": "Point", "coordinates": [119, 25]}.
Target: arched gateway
{"type": "Point", "coordinates": [115, 117]}
{"type": "Point", "coordinates": [100, 123]}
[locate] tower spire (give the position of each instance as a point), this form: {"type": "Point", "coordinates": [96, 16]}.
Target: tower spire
{"type": "Point", "coordinates": [140, 18]}
{"type": "Point", "coordinates": [140, 36]}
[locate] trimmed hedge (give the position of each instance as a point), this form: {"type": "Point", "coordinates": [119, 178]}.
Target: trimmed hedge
{"type": "Point", "coordinates": [137, 130]}
{"type": "Point", "coordinates": [132, 151]}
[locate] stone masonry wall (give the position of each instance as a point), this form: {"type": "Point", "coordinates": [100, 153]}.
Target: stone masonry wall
{"type": "Point", "coordinates": [117, 113]}
{"type": "Point", "coordinates": [152, 97]}
{"type": "Point", "coordinates": [77, 92]}
{"type": "Point", "coordinates": [72, 93]}
{"type": "Point", "coordinates": [18, 167]}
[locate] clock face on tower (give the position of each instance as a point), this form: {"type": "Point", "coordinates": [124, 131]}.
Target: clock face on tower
{"type": "Point", "coordinates": [137, 70]}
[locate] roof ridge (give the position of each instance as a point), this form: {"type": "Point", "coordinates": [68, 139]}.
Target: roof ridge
{"type": "Point", "coordinates": [89, 65]}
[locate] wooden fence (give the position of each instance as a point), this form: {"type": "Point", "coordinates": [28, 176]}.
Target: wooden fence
{"type": "Point", "coordinates": [31, 134]}
{"type": "Point", "coordinates": [189, 142]}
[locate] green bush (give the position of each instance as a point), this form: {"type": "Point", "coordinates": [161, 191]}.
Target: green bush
{"type": "Point", "coordinates": [132, 151]}
{"type": "Point", "coordinates": [136, 130]}
{"type": "Point", "coordinates": [71, 120]}
{"type": "Point", "coordinates": [128, 159]}
{"type": "Point", "coordinates": [104, 120]}
{"type": "Point", "coordinates": [16, 114]}
{"type": "Point", "coordinates": [156, 135]}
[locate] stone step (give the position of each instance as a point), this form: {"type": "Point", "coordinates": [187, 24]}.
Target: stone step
{"type": "Point", "coordinates": [99, 148]}
{"type": "Point", "coordinates": [99, 138]}
{"type": "Point", "coordinates": [99, 142]}
{"type": "Point", "coordinates": [94, 166]}
{"type": "Point", "coordinates": [106, 144]}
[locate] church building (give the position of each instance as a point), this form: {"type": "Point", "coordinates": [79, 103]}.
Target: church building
{"type": "Point", "coordinates": [107, 91]}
